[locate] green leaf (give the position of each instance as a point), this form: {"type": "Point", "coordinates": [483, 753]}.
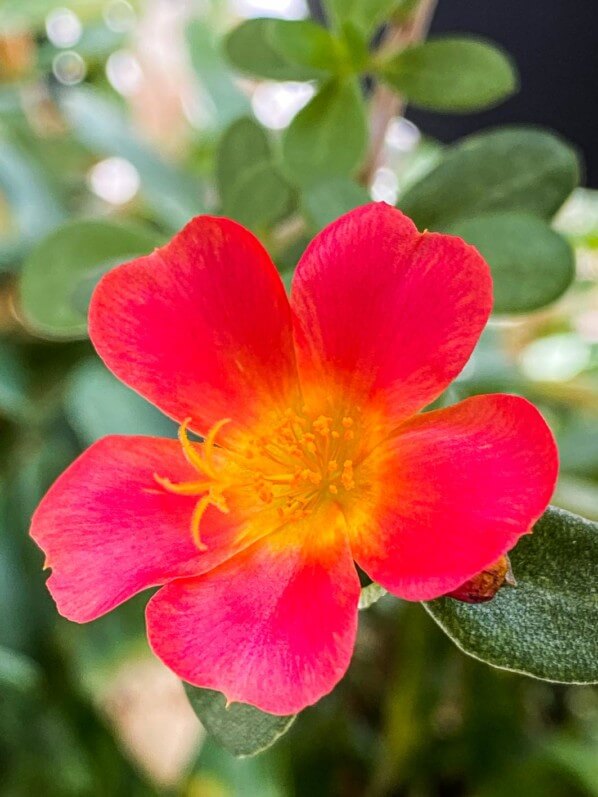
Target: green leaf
{"type": "Point", "coordinates": [259, 196]}
{"type": "Point", "coordinates": [18, 672]}
{"type": "Point", "coordinates": [577, 757]}
{"type": "Point", "coordinates": [327, 138]}
{"type": "Point", "coordinates": [512, 168]}
{"type": "Point", "coordinates": [14, 399]}
{"type": "Point", "coordinates": [451, 74]}
{"type": "Point", "coordinates": [75, 255]}
{"type": "Point", "coordinates": [228, 102]}
{"type": "Point", "coordinates": [254, 47]}
{"type": "Point", "coordinates": [242, 729]}
{"type": "Point", "coordinates": [251, 187]}
{"type": "Point", "coordinates": [370, 594]}
{"type": "Point", "coordinates": [366, 15]}
{"type": "Point", "coordinates": [532, 265]}
{"type": "Point", "coordinates": [577, 438]}
{"type": "Point", "coordinates": [324, 202]}
{"type": "Point", "coordinates": [546, 625]}
{"type": "Point", "coordinates": [103, 127]}
{"type": "Point", "coordinates": [306, 44]}
{"type": "Point", "coordinates": [219, 774]}
{"type": "Point", "coordinates": [243, 144]}
{"type": "Point", "coordinates": [35, 208]}
{"type": "Point", "coordinates": [98, 404]}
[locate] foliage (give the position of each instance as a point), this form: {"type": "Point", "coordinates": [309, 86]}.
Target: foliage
{"type": "Point", "coordinates": [543, 626]}
{"type": "Point", "coordinates": [413, 715]}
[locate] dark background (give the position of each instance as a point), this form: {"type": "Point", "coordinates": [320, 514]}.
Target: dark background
{"type": "Point", "coordinates": [553, 43]}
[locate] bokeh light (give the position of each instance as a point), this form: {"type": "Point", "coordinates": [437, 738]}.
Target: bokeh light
{"type": "Point", "coordinates": [275, 104]}
{"type": "Point", "coordinates": [63, 27]}
{"type": "Point", "coordinates": [69, 68]}
{"type": "Point", "coordinates": [285, 9]}
{"type": "Point", "coordinates": [385, 186]}
{"type": "Point", "coordinates": [124, 72]}
{"type": "Point", "coordinates": [114, 180]}
{"type": "Point", "coordinates": [119, 16]}
{"type": "Point", "coordinates": [555, 358]}
{"type": "Point", "coordinates": [402, 135]}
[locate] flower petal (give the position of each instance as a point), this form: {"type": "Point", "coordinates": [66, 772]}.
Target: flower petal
{"type": "Point", "coordinates": [273, 627]}
{"type": "Point", "coordinates": [109, 531]}
{"type": "Point", "coordinates": [388, 312]}
{"type": "Point", "coordinates": [201, 327]}
{"type": "Point", "coordinates": [462, 485]}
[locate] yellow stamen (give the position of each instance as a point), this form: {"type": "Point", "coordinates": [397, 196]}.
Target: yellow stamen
{"type": "Point", "coordinates": [211, 439]}
{"type": "Point", "coordinates": [198, 513]}
{"type": "Point", "coordinates": [347, 475]}
{"type": "Point", "coordinates": [192, 455]}
{"type": "Point", "coordinates": [288, 465]}
{"type": "Point", "coordinates": [182, 488]}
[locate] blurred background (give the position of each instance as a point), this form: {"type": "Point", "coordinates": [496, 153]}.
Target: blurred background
{"type": "Point", "coordinates": [112, 110]}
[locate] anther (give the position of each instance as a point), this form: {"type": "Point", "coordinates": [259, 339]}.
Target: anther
{"type": "Point", "coordinates": [347, 475]}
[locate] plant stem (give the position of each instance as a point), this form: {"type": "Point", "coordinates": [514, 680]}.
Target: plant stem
{"type": "Point", "coordinates": [386, 103]}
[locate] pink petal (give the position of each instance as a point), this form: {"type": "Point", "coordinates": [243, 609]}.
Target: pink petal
{"type": "Point", "coordinates": [201, 327]}
{"type": "Point", "coordinates": [109, 531]}
{"type": "Point", "coordinates": [386, 312]}
{"type": "Point", "coordinates": [273, 627]}
{"type": "Point", "coordinates": [461, 485]}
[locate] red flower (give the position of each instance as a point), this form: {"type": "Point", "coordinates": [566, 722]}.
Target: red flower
{"type": "Point", "coordinates": [313, 455]}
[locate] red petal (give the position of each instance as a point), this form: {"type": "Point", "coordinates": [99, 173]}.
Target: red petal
{"type": "Point", "coordinates": [461, 486]}
{"type": "Point", "coordinates": [273, 627]}
{"type": "Point", "coordinates": [201, 327]}
{"type": "Point", "coordinates": [109, 531]}
{"type": "Point", "coordinates": [388, 312]}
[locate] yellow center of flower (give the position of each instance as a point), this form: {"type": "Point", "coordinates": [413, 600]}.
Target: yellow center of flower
{"type": "Point", "coordinates": [294, 463]}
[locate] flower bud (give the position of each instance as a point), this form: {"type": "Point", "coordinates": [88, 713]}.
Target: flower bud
{"type": "Point", "coordinates": [484, 586]}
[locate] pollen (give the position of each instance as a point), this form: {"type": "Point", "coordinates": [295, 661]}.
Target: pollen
{"type": "Point", "coordinates": [288, 466]}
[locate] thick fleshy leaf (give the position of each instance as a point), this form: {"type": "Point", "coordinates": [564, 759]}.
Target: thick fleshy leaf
{"type": "Point", "coordinates": [242, 145]}
{"type": "Point", "coordinates": [242, 729]}
{"type": "Point", "coordinates": [60, 273]}
{"type": "Point", "coordinates": [460, 486]}
{"type": "Point", "coordinates": [452, 74]}
{"type": "Point", "coordinates": [327, 138]}
{"type": "Point", "coordinates": [248, 628]}
{"type": "Point", "coordinates": [260, 196]}
{"type": "Point", "coordinates": [306, 44]}
{"type": "Point", "coordinates": [35, 208]}
{"type": "Point", "coordinates": [108, 530]}
{"type": "Point", "coordinates": [253, 47]}
{"type": "Point", "coordinates": [252, 189]}
{"type": "Point", "coordinates": [370, 595]}
{"type": "Point", "coordinates": [532, 265]}
{"type": "Point", "coordinates": [388, 313]}
{"type": "Point", "coordinates": [546, 625]}
{"type": "Point", "coordinates": [201, 327]}
{"type": "Point", "coordinates": [511, 168]}
{"type": "Point", "coordinates": [365, 15]}
{"type": "Point", "coordinates": [97, 404]}
{"type": "Point", "coordinates": [324, 202]}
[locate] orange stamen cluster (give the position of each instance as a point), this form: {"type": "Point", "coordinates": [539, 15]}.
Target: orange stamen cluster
{"type": "Point", "coordinates": [297, 462]}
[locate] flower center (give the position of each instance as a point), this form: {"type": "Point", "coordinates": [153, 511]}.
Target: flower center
{"type": "Point", "coordinates": [291, 465]}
